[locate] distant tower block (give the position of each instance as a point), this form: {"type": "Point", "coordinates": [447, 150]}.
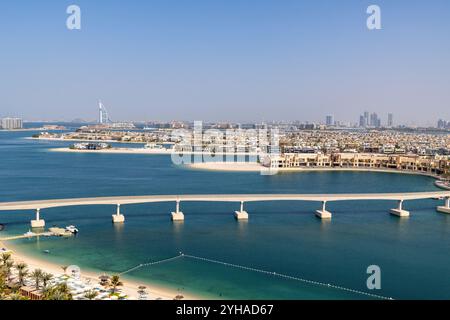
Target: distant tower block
{"type": "Point", "coordinates": [38, 223]}
{"type": "Point", "coordinates": [177, 215]}
{"type": "Point", "coordinates": [118, 217]}
{"type": "Point", "coordinates": [323, 214]}
{"type": "Point", "coordinates": [446, 207]}
{"type": "Point", "coordinates": [103, 117]}
{"type": "Point", "coordinates": [241, 214]}
{"type": "Point", "coordinates": [399, 211]}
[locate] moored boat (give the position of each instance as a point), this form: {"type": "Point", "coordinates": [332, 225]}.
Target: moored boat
{"type": "Point", "coordinates": [442, 184]}
{"type": "Point", "coordinates": [72, 229]}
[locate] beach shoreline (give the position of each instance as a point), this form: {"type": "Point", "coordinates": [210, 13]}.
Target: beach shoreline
{"type": "Point", "coordinates": [92, 140]}
{"type": "Point", "coordinates": [236, 166]}
{"type": "Point", "coordinates": [256, 167]}
{"type": "Point", "coordinates": [30, 129]}
{"type": "Point", "coordinates": [150, 151]}
{"type": "Point", "coordinates": [130, 287]}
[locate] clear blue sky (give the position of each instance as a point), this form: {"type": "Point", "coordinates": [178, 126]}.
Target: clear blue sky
{"type": "Point", "coordinates": [236, 60]}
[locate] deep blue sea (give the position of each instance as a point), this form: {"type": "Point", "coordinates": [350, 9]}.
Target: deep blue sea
{"type": "Point", "coordinates": [281, 237]}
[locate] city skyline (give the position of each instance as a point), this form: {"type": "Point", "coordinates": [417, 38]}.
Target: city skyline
{"type": "Point", "coordinates": [226, 62]}
{"type": "Point", "coordinates": [366, 120]}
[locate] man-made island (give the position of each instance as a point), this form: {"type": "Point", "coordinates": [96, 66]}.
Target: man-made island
{"type": "Point", "coordinates": [300, 150]}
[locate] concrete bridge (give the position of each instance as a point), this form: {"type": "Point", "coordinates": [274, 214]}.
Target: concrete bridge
{"type": "Point", "coordinates": [177, 215]}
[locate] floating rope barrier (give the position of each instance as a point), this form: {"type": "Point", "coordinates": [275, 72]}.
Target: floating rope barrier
{"type": "Point", "coordinates": [274, 274]}
{"type": "Point", "coordinates": [148, 264]}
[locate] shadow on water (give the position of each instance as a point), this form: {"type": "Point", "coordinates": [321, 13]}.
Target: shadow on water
{"type": "Point", "coordinates": [178, 233]}
{"type": "Point", "coordinates": [242, 228]}
{"type": "Point", "coordinates": [402, 225]}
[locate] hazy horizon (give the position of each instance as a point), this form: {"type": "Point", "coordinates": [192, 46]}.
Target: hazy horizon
{"type": "Point", "coordinates": [226, 60]}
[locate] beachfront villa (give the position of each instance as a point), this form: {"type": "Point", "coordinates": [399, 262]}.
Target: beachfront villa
{"type": "Point", "coordinates": [90, 146]}
{"type": "Point", "coordinates": [436, 164]}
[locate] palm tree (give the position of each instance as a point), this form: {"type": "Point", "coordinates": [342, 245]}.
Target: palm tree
{"type": "Point", "coordinates": [115, 282]}
{"type": "Point", "coordinates": [5, 257]}
{"type": "Point", "coordinates": [36, 275]}
{"type": "Point", "coordinates": [58, 292]}
{"type": "Point", "coordinates": [17, 296]}
{"type": "Point", "coordinates": [22, 272]}
{"type": "Point", "coordinates": [91, 294]}
{"type": "Point", "coordinates": [7, 266]}
{"type": "Point", "coordinates": [3, 285]}
{"type": "Point", "coordinates": [64, 268]}
{"type": "Point", "coordinates": [64, 290]}
{"type": "Point", "coordinates": [46, 277]}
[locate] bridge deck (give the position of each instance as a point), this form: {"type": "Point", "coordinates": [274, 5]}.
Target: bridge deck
{"type": "Point", "coordinates": [43, 204]}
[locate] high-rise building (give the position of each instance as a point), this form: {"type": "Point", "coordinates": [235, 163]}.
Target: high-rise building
{"type": "Point", "coordinates": [373, 119]}
{"type": "Point", "coordinates": [329, 120]}
{"type": "Point", "coordinates": [103, 114]}
{"type": "Point", "coordinates": [390, 122]}
{"type": "Point", "coordinates": [442, 124]}
{"type": "Point", "coordinates": [366, 118]}
{"type": "Point", "coordinates": [362, 121]}
{"type": "Point", "coordinates": [11, 123]}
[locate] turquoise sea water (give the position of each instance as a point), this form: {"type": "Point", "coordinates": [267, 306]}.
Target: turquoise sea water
{"type": "Point", "coordinates": [282, 237]}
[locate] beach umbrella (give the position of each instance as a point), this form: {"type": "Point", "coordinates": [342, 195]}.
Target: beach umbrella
{"type": "Point", "coordinates": [104, 279]}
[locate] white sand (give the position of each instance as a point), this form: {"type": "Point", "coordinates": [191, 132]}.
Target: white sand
{"type": "Point", "coordinates": [116, 151]}
{"type": "Point", "coordinates": [228, 166]}
{"type": "Point", "coordinates": [91, 140]}
{"type": "Point", "coordinates": [256, 167]}
{"type": "Point", "coordinates": [130, 288]}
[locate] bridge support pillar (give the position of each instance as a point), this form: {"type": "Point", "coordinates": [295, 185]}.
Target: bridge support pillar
{"type": "Point", "coordinates": [399, 211]}
{"type": "Point", "coordinates": [323, 214]}
{"type": "Point", "coordinates": [118, 217]}
{"type": "Point", "coordinates": [446, 207]}
{"type": "Point", "coordinates": [38, 223]}
{"type": "Point", "coordinates": [177, 215]}
{"type": "Point", "coordinates": [241, 214]}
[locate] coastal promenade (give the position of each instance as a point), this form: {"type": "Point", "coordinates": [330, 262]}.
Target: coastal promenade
{"type": "Point", "coordinates": [241, 214]}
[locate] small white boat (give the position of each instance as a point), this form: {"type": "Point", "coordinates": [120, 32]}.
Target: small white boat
{"type": "Point", "coordinates": [442, 184]}
{"type": "Point", "coordinates": [72, 229]}
{"type": "Point", "coordinates": [29, 234]}
{"type": "Point", "coordinates": [154, 146]}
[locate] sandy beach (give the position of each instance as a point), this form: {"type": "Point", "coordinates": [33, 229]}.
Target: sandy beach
{"type": "Point", "coordinates": [116, 151]}
{"type": "Point", "coordinates": [91, 140]}
{"type": "Point", "coordinates": [228, 166]}
{"type": "Point", "coordinates": [256, 167]}
{"type": "Point", "coordinates": [130, 288]}
{"type": "Point", "coordinates": [30, 129]}
{"type": "Point", "coordinates": [237, 166]}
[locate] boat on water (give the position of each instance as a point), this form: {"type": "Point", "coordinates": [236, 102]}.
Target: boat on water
{"type": "Point", "coordinates": [442, 184]}
{"type": "Point", "coordinates": [29, 234]}
{"type": "Point", "coordinates": [72, 229]}
{"type": "Point", "coordinates": [154, 146]}
{"type": "Point", "coordinates": [60, 232]}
